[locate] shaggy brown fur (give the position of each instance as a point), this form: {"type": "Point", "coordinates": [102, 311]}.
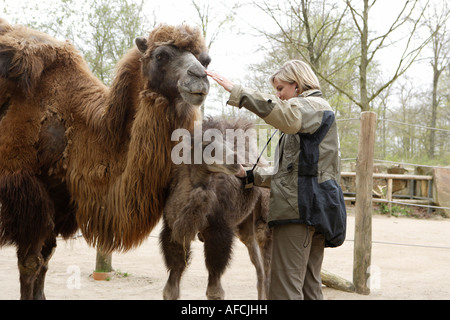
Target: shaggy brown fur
{"type": "Point", "coordinates": [216, 205]}
{"type": "Point", "coordinates": [35, 203]}
{"type": "Point", "coordinates": [124, 216]}
{"type": "Point", "coordinates": [68, 144]}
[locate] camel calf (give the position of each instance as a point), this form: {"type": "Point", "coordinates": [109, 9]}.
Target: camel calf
{"type": "Point", "coordinates": [211, 201]}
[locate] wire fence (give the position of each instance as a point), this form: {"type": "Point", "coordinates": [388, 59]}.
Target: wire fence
{"type": "Point", "coordinates": [400, 140]}
{"type": "Point", "coordinates": [399, 122]}
{"type": "Point", "coordinates": [402, 163]}
{"type": "Point", "coordinates": [262, 126]}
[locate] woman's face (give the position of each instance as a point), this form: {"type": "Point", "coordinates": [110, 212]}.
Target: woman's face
{"type": "Point", "coordinates": [285, 90]}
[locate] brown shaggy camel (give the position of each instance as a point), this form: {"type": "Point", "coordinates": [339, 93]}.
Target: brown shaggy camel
{"type": "Point", "coordinates": [207, 199]}
{"type": "Point", "coordinates": [75, 154]}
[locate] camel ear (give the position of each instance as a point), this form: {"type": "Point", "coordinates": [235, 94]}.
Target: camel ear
{"type": "Point", "coordinates": [141, 43]}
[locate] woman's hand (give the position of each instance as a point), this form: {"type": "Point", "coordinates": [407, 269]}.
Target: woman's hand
{"type": "Point", "coordinates": [224, 82]}
{"type": "Point", "coordinates": [242, 173]}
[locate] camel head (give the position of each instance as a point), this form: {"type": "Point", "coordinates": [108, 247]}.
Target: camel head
{"type": "Point", "coordinates": [231, 169]}
{"type": "Point", "coordinates": [222, 164]}
{"type": "Point", "coordinates": [174, 61]}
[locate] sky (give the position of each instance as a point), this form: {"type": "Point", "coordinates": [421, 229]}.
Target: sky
{"type": "Point", "coordinates": [234, 51]}
{"type": "Point", "coordinates": [237, 46]}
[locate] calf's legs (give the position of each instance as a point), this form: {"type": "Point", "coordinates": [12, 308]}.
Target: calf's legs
{"type": "Point", "coordinates": [218, 239]}
{"type": "Point", "coordinates": [176, 258]}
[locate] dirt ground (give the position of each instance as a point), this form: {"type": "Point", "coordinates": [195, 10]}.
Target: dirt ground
{"type": "Point", "coordinates": [410, 260]}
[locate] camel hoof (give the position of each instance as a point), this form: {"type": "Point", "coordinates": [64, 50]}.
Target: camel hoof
{"type": "Point", "coordinates": [170, 293]}
{"type": "Point", "coordinates": [215, 294]}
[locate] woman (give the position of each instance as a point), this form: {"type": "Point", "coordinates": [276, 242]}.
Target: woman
{"type": "Point", "coordinates": [307, 211]}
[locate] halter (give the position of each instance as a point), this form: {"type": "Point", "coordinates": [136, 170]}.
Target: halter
{"type": "Point", "coordinates": [250, 178]}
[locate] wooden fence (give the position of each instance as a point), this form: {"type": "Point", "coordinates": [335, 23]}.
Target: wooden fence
{"type": "Point", "coordinates": [390, 178]}
{"type": "Point", "coordinates": [364, 177]}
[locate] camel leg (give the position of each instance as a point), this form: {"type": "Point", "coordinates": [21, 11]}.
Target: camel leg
{"type": "Point", "coordinates": [30, 261]}
{"type": "Point", "coordinates": [27, 213]}
{"type": "Point", "coordinates": [218, 239]}
{"type": "Point", "coordinates": [265, 247]}
{"type": "Point", "coordinates": [263, 234]}
{"type": "Point", "coordinates": [47, 252]}
{"type": "Point", "coordinates": [246, 234]}
{"type": "Point", "coordinates": [176, 258]}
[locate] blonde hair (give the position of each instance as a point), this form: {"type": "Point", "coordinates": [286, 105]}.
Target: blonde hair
{"type": "Point", "coordinates": [299, 72]}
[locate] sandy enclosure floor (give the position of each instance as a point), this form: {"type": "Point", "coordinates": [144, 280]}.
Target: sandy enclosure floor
{"type": "Point", "coordinates": [410, 260]}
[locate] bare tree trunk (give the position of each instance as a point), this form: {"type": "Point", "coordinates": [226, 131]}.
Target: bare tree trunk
{"type": "Point", "coordinates": [310, 44]}
{"type": "Point", "coordinates": [434, 105]}
{"type": "Point", "coordinates": [103, 262]}
{"type": "Point", "coordinates": [437, 25]}
{"type": "Point", "coordinates": [364, 98]}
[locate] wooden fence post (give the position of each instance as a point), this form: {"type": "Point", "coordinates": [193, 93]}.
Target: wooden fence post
{"type": "Point", "coordinates": [389, 194]}
{"type": "Point", "coordinates": [363, 205]}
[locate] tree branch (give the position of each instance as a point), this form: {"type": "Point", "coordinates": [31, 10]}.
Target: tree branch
{"type": "Point", "coordinates": [354, 15]}
{"type": "Point", "coordinates": [395, 25]}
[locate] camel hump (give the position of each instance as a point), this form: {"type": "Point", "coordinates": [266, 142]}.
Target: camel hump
{"type": "Point", "coordinates": [25, 53]}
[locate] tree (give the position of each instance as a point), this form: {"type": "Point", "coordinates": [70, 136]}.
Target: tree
{"type": "Point", "coordinates": [319, 32]}
{"type": "Point", "coordinates": [440, 43]}
{"type": "Point", "coordinates": [370, 41]}
{"type": "Point", "coordinates": [103, 30]}
{"type": "Point", "coordinates": [313, 30]}
{"type": "Point", "coordinates": [206, 15]}
{"type": "Point", "coordinates": [370, 46]}
{"type": "Point", "coordinates": [212, 22]}
{"type": "Point", "coordinates": [112, 27]}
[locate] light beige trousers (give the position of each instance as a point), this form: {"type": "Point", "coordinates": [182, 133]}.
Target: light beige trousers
{"type": "Point", "coordinates": [297, 256]}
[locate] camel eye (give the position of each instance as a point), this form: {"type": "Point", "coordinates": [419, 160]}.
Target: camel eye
{"type": "Point", "coordinates": [162, 57]}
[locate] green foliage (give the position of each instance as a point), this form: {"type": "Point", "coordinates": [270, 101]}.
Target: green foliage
{"type": "Point", "coordinates": [329, 40]}
{"type": "Point", "coordinates": [396, 211]}
{"type": "Point", "coordinates": [114, 25]}
{"type": "Point", "coordinates": [103, 30]}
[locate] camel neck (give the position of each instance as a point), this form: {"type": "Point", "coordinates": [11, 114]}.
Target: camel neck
{"type": "Point", "coordinates": [123, 98]}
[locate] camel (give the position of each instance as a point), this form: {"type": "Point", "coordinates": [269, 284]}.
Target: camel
{"type": "Point", "coordinates": [210, 200]}
{"type": "Point", "coordinates": [76, 154]}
